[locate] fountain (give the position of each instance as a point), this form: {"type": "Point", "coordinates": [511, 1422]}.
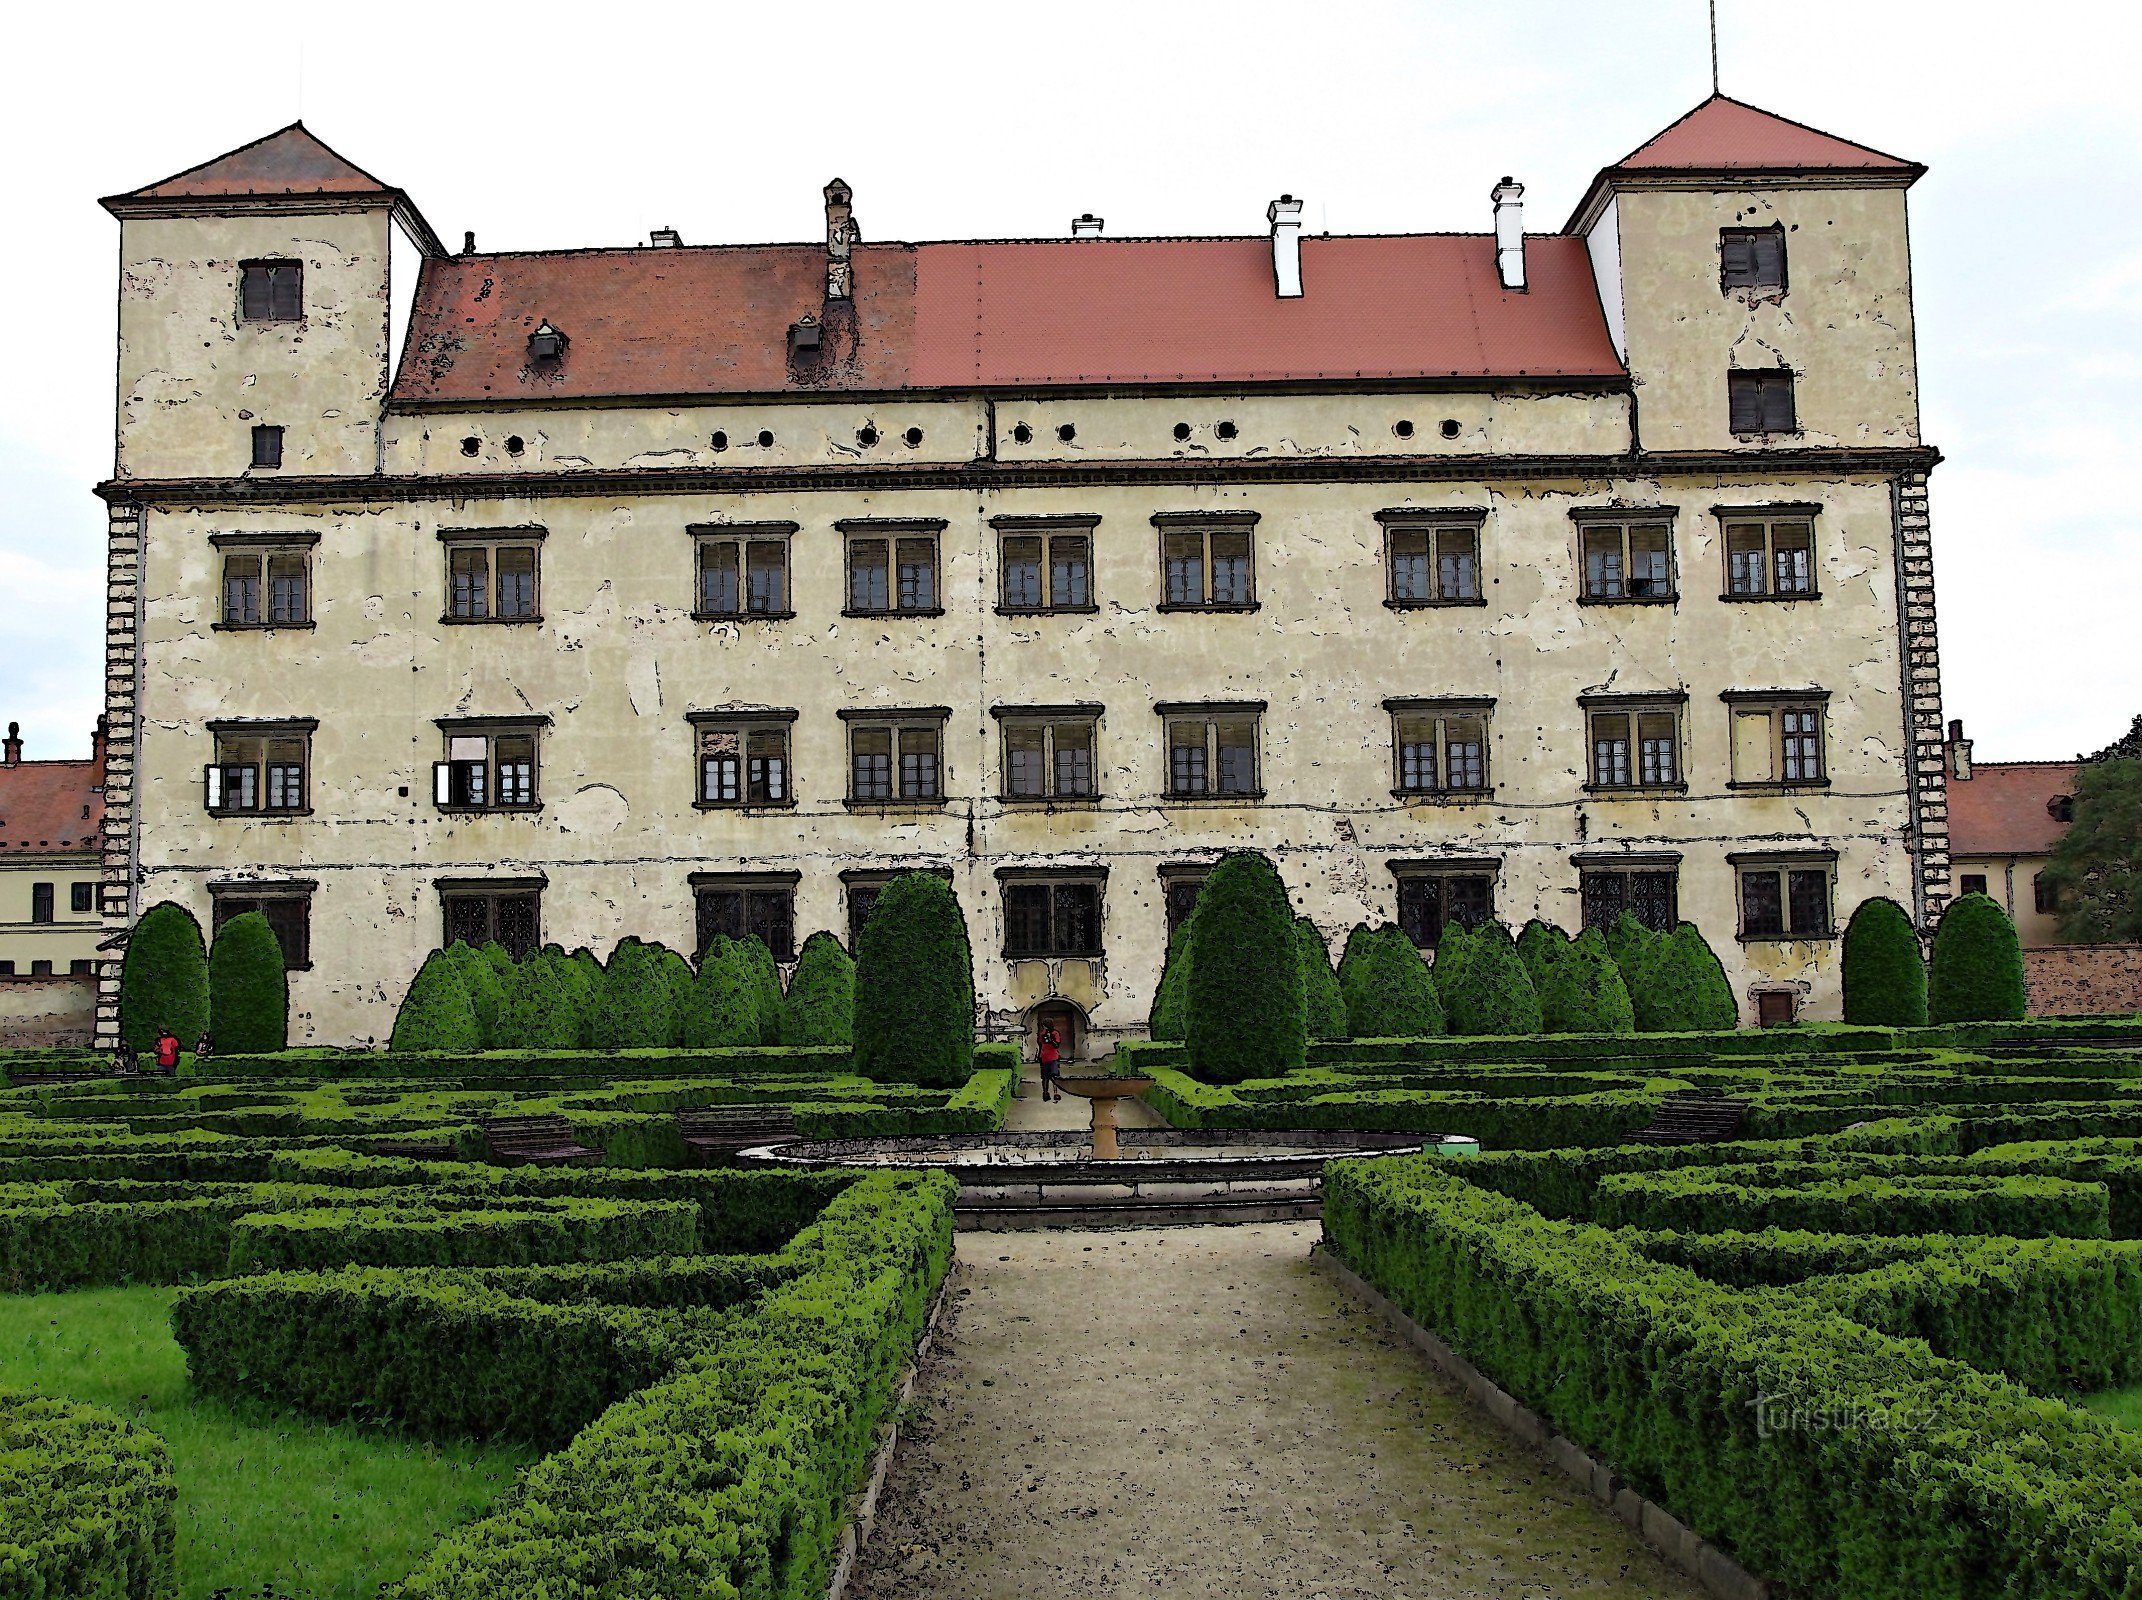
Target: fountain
{"type": "Point", "coordinates": [1104, 1093]}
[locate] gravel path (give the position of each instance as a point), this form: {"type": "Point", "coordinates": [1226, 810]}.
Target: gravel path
{"type": "Point", "coordinates": [1199, 1412]}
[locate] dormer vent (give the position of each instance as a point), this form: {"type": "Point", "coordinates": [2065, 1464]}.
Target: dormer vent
{"type": "Point", "coordinates": [1089, 223]}
{"type": "Point", "coordinates": [804, 333]}
{"type": "Point", "coordinates": [1285, 216]}
{"type": "Point", "coordinates": [547, 344]}
{"type": "Point", "coordinates": [665, 239]}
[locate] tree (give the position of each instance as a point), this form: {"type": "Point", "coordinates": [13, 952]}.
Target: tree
{"type": "Point", "coordinates": [677, 978]}
{"type": "Point", "coordinates": [766, 988]}
{"type": "Point", "coordinates": [1248, 1015]}
{"type": "Point", "coordinates": [248, 994]}
{"type": "Point", "coordinates": [724, 1009]}
{"type": "Point", "coordinates": [1452, 946]}
{"type": "Point", "coordinates": [1324, 1007]}
{"type": "Point", "coordinates": [541, 1009]}
{"type": "Point", "coordinates": [1538, 944]}
{"type": "Point", "coordinates": [583, 971]}
{"type": "Point", "coordinates": [487, 990]}
{"type": "Point", "coordinates": [1978, 964]}
{"type": "Point", "coordinates": [1388, 992]}
{"type": "Point", "coordinates": [1170, 1016]}
{"type": "Point", "coordinates": [163, 982]}
{"type": "Point", "coordinates": [1492, 993]}
{"type": "Point", "coordinates": [637, 1005]}
{"type": "Point", "coordinates": [1686, 987]}
{"type": "Point", "coordinates": [820, 1008]}
{"type": "Point", "coordinates": [436, 1013]}
{"type": "Point", "coordinates": [1884, 972]}
{"type": "Point", "coordinates": [2096, 870]}
{"type": "Point", "coordinates": [1581, 990]}
{"type": "Point", "coordinates": [914, 986]}
{"type": "Point", "coordinates": [2127, 747]}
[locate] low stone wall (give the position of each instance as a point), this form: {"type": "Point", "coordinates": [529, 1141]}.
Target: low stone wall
{"type": "Point", "coordinates": [2084, 980]}
{"type": "Point", "coordinates": [47, 1013]}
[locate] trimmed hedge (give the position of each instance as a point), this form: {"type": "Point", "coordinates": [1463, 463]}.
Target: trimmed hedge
{"type": "Point", "coordinates": [1169, 1020]}
{"type": "Point", "coordinates": [1247, 1012]}
{"type": "Point", "coordinates": [486, 984]}
{"type": "Point", "coordinates": [1689, 990]}
{"type": "Point", "coordinates": [820, 1007]}
{"type": "Point", "coordinates": [1884, 973]}
{"type": "Point", "coordinates": [540, 1009]}
{"type": "Point", "coordinates": [87, 1504]}
{"type": "Point", "coordinates": [638, 1007]}
{"type": "Point", "coordinates": [163, 980]}
{"type": "Point", "coordinates": [765, 988]}
{"type": "Point", "coordinates": [578, 1229]}
{"type": "Point", "coordinates": [437, 1013]}
{"type": "Point", "coordinates": [248, 994]}
{"type": "Point", "coordinates": [1490, 993]}
{"type": "Point", "coordinates": [1977, 971]}
{"type": "Point", "coordinates": [1581, 990]}
{"type": "Point", "coordinates": [1387, 989]}
{"type": "Point", "coordinates": [1323, 1007]}
{"type": "Point", "coordinates": [1825, 1198]}
{"type": "Point", "coordinates": [724, 1008]}
{"type": "Point", "coordinates": [914, 986]}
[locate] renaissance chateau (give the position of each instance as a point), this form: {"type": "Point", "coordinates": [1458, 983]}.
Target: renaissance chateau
{"type": "Point", "coordinates": [680, 588]}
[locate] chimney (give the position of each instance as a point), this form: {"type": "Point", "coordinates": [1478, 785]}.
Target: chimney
{"type": "Point", "coordinates": [99, 737]}
{"type": "Point", "coordinates": [665, 239]}
{"type": "Point", "coordinates": [1089, 223]}
{"type": "Point", "coordinates": [13, 757]}
{"type": "Point", "coordinates": [468, 242]}
{"type": "Point", "coordinates": [1285, 216]}
{"type": "Point", "coordinates": [1509, 200]}
{"type": "Point", "coordinates": [840, 240]}
{"type": "Point", "coordinates": [1958, 752]}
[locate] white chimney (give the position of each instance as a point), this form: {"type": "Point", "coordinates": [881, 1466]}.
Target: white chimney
{"type": "Point", "coordinates": [1958, 751]}
{"type": "Point", "coordinates": [1285, 216]}
{"type": "Point", "coordinates": [1510, 233]}
{"type": "Point", "coordinates": [1089, 223]}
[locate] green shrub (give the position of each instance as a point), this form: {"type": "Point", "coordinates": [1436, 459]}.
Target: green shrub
{"type": "Point", "coordinates": [914, 986]}
{"type": "Point", "coordinates": [724, 1010]}
{"type": "Point", "coordinates": [820, 1006]}
{"type": "Point", "coordinates": [436, 1013]}
{"type": "Point", "coordinates": [583, 972]}
{"type": "Point", "coordinates": [765, 988]}
{"type": "Point", "coordinates": [677, 978]}
{"type": "Point", "coordinates": [1685, 988]}
{"type": "Point", "coordinates": [1170, 1016]}
{"type": "Point", "coordinates": [248, 995]}
{"type": "Point", "coordinates": [1247, 1014]}
{"type": "Point", "coordinates": [576, 1229]}
{"type": "Point", "coordinates": [1388, 992]}
{"type": "Point", "coordinates": [1582, 991]}
{"type": "Point", "coordinates": [1825, 1198]}
{"type": "Point", "coordinates": [1538, 944]}
{"type": "Point", "coordinates": [1324, 1006]}
{"type": "Point", "coordinates": [1635, 945]}
{"type": "Point", "coordinates": [1978, 964]}
{"type": "Point", "coordinates": [87, 1503]}
{"type": "Point", "coordinates": [540, 1009]}
{"type": "Point", "coordinates": [163, 982]}
{"type": "Point", "coordinates": [637, 1006]}
{"type": "Point", "coordinates": [1492, 992]}
{"type": "Point", "coordinates": [486, 989]}
{"type": "Point", "coordinates": [1452, 946]}
{"type": "Point", "coordinates": [1884, 972]}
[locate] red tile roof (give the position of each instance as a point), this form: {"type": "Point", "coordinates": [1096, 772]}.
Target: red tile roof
{"type": "Point", "coordinates": [48, 806]}
{"type": "Point", "coordinates": [1723, 134]}
{"type": "Point", "coordinates": [998, 315]}
{"type": "Point", "coordinates": [286, 162]}
{"type": "Point", "coordinates": [2000, 810]}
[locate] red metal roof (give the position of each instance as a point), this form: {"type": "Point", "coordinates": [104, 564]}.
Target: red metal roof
{"type": "Point", "coordinates": [2000, 810]}
{"type": "Point", "coordinates": [1024, 313]}
{"type": "Point", "coordinates": [47, 806]}
{"type": "Point", "coordinates": [287, 162]}
{"type": "Point", "coordinates": [1723, 134]}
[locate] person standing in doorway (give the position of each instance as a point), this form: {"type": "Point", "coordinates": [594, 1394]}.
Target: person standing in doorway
{"type": "Point", "coordinates": [1052, 1066]}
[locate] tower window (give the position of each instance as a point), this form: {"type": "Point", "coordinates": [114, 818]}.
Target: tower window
{"type": "Point", "coordinates": [267, 446]}
{"type": "Point", "coordinates": [1761, 402]}
{"type": "Point", "coordinates": [1752, 258]}
{"type": "Point", "coordinates": [271, 291]}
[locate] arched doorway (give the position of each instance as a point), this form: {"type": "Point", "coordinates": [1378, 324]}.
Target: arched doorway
{"type": "Point", "coordinates": [1070, 1025]}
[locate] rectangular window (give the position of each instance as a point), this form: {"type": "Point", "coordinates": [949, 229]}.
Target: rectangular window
{"type": "Point", "coordinates": [863, 888]}
{"type": "Point", "coordinates": [271, 291]}
{"type": "Point", "coordinates": [491, 580]}
{"type": "Point", "coordinates": [1777, 741]}
{"type": "Point", "coordinates": [40, 969]}
{"type": "Point", "coordinates": [1441, 746]}
{"type": "Point", "coordinates": [1751, 258]}
{"type": "Point", "coordinates": [1207, 566]}
{"type": "Point", "coordinates": [259, 768]}
{"type": "Point", "coordinates": [1045, 570]}
{"type": "Point", "coordinates": [267, 445]}
{"type": "Point", "coordinates": [265, 588]}
{"type": "Point", "coordinates": [741, 906]}
{"type": "Point", "coordinates": [893, 572]}
{"type": "Point", "coordinates": [1179, 887]}
{"type": "Point", "coordinates": [1213, 753]}
{"type": "Point", "coordinates": [1651, 893]}
{"type": "Point", "coordinates": [1432, 564]}
{"type": "Point", "coordinates": [1052, 918]}
{"type": "Point", "coordinates": [743, 572]}
{"type": "Point", "coordinates": [896, 760]}
{"type": "Point", "coordinates": [1429, 900]}
{"type": "Point", "coordinates": [82, 967]}
{"type": "Point", "coordinates": [510, 917]}
{"type": "Point", "coordinates": [1635, 746]}
{"type": "Point", "coordinates": [1049, 757]}
{"type": "Point", "coordinates": [288, 912]}
{"type": "Point", "coordinates": [81, 897]}
{"type": "Point", "coordinates": [1971, 883]}
{"type": "Point", "coordinates": [487, 769]}
{"type": "Point", "coordinates": [1785, 897]}
{"type": "Point", "coordinates": [2044, 898]}
{"type": "Point", "coordinates": [1627, 560]}
{"type": "Point", "coordinates": [1761, 402]}
{"type": "Point", "coordinates": [41, 902]}
{"type": "Point", "coordinates": [743, 763]}
{"type": "Point", "coordinates": [1769, 557]}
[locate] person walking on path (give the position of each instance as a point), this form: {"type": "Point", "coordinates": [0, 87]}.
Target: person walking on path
{"type": "Point", "coordinates": [203, 1048]}
{"type": "Point", "coordinates": [167, 1052]}
{"type": "Point", "coordinates": [1052, 1070]}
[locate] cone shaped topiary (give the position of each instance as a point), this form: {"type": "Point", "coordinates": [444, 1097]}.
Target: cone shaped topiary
{"type": "Point", "coordinates": [1452, 946]}
{"type": "Point", "coordinates": [1632, 944]}
{"type": "Point", "coordinates": [1389, 994]}
{"type": "Point", "coordinates": [1493, 993]}
{"type": "Point", "coordinates": [677, 979]}
{"type": "Point", "coordinates": [1884, 972]}
{"type": "Point", "coordinates": [486, 989]}
{"type": "Point", "coordinates": [637, 1006]}
{"type": "Point", "coordinates": [163, 982]}
{"type": "Point", "coordinates": [586, 978]}
{"type": "Point", "coordinates": [248, 995]}
{"type": "Point", "coordinates": [1583, 991]}
{"type": "Point", "coordinates": [766, 987]}
{"type": "Point", "coordinates": [1170, 1016]}
{"type": "Point", "coordinates": [1538, 944]}
{"type": "Point", "coordinates": [436, 1013]}
{"type": "Point", "coordinates": [1248, 1017]}
{"type": "Point", "coordinates": [541, 1008]}
{"type": "Point", "coordinates": [914, 986]}
{"type": "Point", "coordinates": [1324, 1006]}
{"type": "Point", "coordinates": [1978, 965]}
{"type": "Point", "coordinates": [820, 1008]}
{"type": "Point", "coordinates": [724, 1009]}
{"type": "Point", "coordinates": [1687, 987]}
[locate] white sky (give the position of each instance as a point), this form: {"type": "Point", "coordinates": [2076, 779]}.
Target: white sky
{"type": "Point", "coordinates": [551, 125]}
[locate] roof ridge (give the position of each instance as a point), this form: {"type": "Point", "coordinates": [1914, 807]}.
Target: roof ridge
{"type": "Point", "coordinates": [148, 190]}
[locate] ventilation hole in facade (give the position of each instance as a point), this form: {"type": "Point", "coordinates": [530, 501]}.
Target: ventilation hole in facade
{"type": "Point", "coordinates": [515, 444]}
{"type": "Point", "coordinates": [765, 439]}
{"type": "Point", "coordinates": [471, 445]}
{"type": "Point", "coordinates": [1403, 427]}
{"type": "Point", "coordinates": [1182, 432]}
{"type": "Point", "coordinates": [1022, 434]}
{"type": "Point", "coordinates": [913, 436]}
{"type": "Point", "coordinates": [1450, 427]}
{"type": "Point", "coordinates": [1224, 430]}
{"type": "Point", "coordinates": [1067, 432]}
{"type": "Point", "coordinates": [866, 436]}
{"type": "Point", "coordinates": [720, 441]}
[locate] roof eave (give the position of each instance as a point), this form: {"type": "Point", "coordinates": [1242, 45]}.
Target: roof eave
{"type": "Point", "coordinates": [1612, 180]}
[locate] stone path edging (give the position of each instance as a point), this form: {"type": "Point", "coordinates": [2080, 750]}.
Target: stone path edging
{"type": "Point", "coordinates": [1672, 1538]}
{"type": "Point", "coordinates": [852, 1537]}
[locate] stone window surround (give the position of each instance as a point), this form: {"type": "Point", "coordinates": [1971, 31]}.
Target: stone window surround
{"type": "Point", "coordinates": [1777, 700]}
{"type": "Point", "coordinates": [1769, 513]}
{"type": "Point", "coordinates": [1627, 518]}
{"type": "Point", "coordinates": [1413, 868]}
{"type": "Point", "coordinates": [898, 718]}
{"type": "Point", "coordinates": [748, 882]}
{"type": "Point", "coordinates": [741, 534]}
{"type": "Point", "coordinates": [1051, 876]}
{"type": "Point", "coordinates": [1784, 861]}
{"type": "Point", "coordinates": [1590, 862]}
{"type": "Point", "coordinates": [496, 539]}
{"type": "Point", "coordinates": [1444, 707]}
{"type": "Point", "coordinates": [1009, 716]}
{"type": "Point", "coordinates": [1432, 520]}
{"type": "Point", "coordinates": [299, 728]}
{"type": "Point", "coordinates": [891, 530]}
{"type": "Point", "coordinates": [743, 719]}
{"type": "Point", "coordinates": [1206, 524]}
{"type": "Point", "coordinates": [266, 544]}
{"type": "Point", "coordinates": [1043, 527]}
{"type": "Point", "coordinates": [531, 724]}
{"type": "Point", "coordinates": [466, 887]}
{"type": "Point", "coordinates": [1633, 704]}
{"type": "Point", "coordinates": [222, 889]}
{"type": "Point", "coordinates": [1211, 712]}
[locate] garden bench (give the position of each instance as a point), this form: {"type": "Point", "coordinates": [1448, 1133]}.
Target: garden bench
{"type": "Point", "coordinates": [713, 1134]}
{"type": "Point", "coordinates": [1689, 1117]}
{"type": "Point", "coordinates": [535, 1142]}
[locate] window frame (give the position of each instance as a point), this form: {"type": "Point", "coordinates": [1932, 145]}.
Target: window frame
{"type": "Point", "coordinates": [1964, 880]}
{"type": "Point", "coordinates": [1205, 525]}
{"type": "Point", "coordinates": [1084, 714]}
{"type": "Point", "coordinates": [1052, 880]}
{"type": "Point", "coordinates": [267, 449]}
{"type": "Point", "coordinates": [44, 904]}
{"type": "Point", "coordinates": [234, 896]}
{"type": "Point", "coordinates": [263, 731]}
{"type": "Point", "coordinates": [82, 897]}
{"type": "Point", "coordinates": [743, 535]}
{"type": "Point", "coordinates": [1784, 866]}
{"type": "Point", "coordinates": [1625, 522]}
{"type": "Point", "coordinates": [899, 722]}
{"type": "Point", "coordinates": [1772, 519]}
{"type": "Point", "coordinates": [1776, 705]}
{"type": "Point", "coordinates": [490, 730]}
{"type": "Point", "coordinates": [493, 892]}
{"type": "Point", "coordinates": [749, 887]}
{"type": "Point", "coordinates": [1763, 383]}
{"type": "Point", "coordinates": [1049, 530]}
{"type": "Point", "coordinates": [1442, 870]}
{"type": "Point", "coordinates": [1434, 523]}
{"type": "Point", "coordinates": [892, 532]}
{"type": "Point", "coordinates": [1727, 283]}
{"type": "Point", "coordinates": [272, 265]}
{"type": "Point", "coordinates": [263, 549]}
{"type": "Point", "coordinates": [493, 541]}
{"type": "Point", "coordinates": [873, 881]}
{"type": "Point", "coordinates": [1593, 867]}
{"type": "Point", "coordinates": [1177, 875]}
{"type": "Point", "coordinates": [1211, 713]}
{"type": "Point", "coordinates": [1443, 710]}
{"type": "Point", "coordinates": [744, 724]}
{"type": "Point", "coordinates": [1635, 707]}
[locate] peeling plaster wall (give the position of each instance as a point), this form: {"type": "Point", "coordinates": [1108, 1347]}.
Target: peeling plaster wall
{"type": "Point", "coordinates": [70, 936]}
{"type": "Point", "coordinates": [2010, 880]}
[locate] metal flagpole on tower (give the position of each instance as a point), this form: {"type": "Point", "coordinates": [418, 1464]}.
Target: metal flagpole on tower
{"type": "Point", "coordinates": [1714, 46]}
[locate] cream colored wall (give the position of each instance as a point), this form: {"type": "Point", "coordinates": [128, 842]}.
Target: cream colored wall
{"type": "Point", "coordinates": [194, 379]}
{"type": "Point", "coordinates": [1844, 324]}
{"type": "Point", "coordinates": [2009, 880]}
{"type": "Point", "coordinates": [618, 662]}
{"type": "Point", "coordinates": [71, 935]}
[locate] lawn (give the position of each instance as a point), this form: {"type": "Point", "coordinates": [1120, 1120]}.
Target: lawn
{"type": "Point", "coordinates": [2123, 1406]}
{"type": "Point", "coordinates": [271, 1506]}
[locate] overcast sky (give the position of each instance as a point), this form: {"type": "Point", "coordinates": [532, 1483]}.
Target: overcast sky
{"type": "Point", "coordinates": [544, 125]}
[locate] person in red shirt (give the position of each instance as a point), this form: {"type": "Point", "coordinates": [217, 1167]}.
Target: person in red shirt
{"type": "Point", "coordinates": [167, 1051]}
{"type": "Point", "coordinates": [1051, 1062]}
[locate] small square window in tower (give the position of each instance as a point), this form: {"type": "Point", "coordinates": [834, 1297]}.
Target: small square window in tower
{"type": "Point", "coordinates": [267, 445]}
{"type": "Point", "coordinates": [1752, 258]}
{"type": "Point", "coordinates": [1761, 402]}
{"type": "Point", "coordinates": [271, 291]}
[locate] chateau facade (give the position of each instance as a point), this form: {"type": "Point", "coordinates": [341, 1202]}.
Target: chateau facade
{"type": "Point", "coordinates": [557, 596]}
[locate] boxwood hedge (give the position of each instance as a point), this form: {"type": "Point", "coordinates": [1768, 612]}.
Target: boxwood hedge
{"type": "Point", "coordinates": [87, 1504]}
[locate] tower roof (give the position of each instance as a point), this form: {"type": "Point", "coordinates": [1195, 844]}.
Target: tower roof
{"type": "Point", "coordinates": [289, 161]}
